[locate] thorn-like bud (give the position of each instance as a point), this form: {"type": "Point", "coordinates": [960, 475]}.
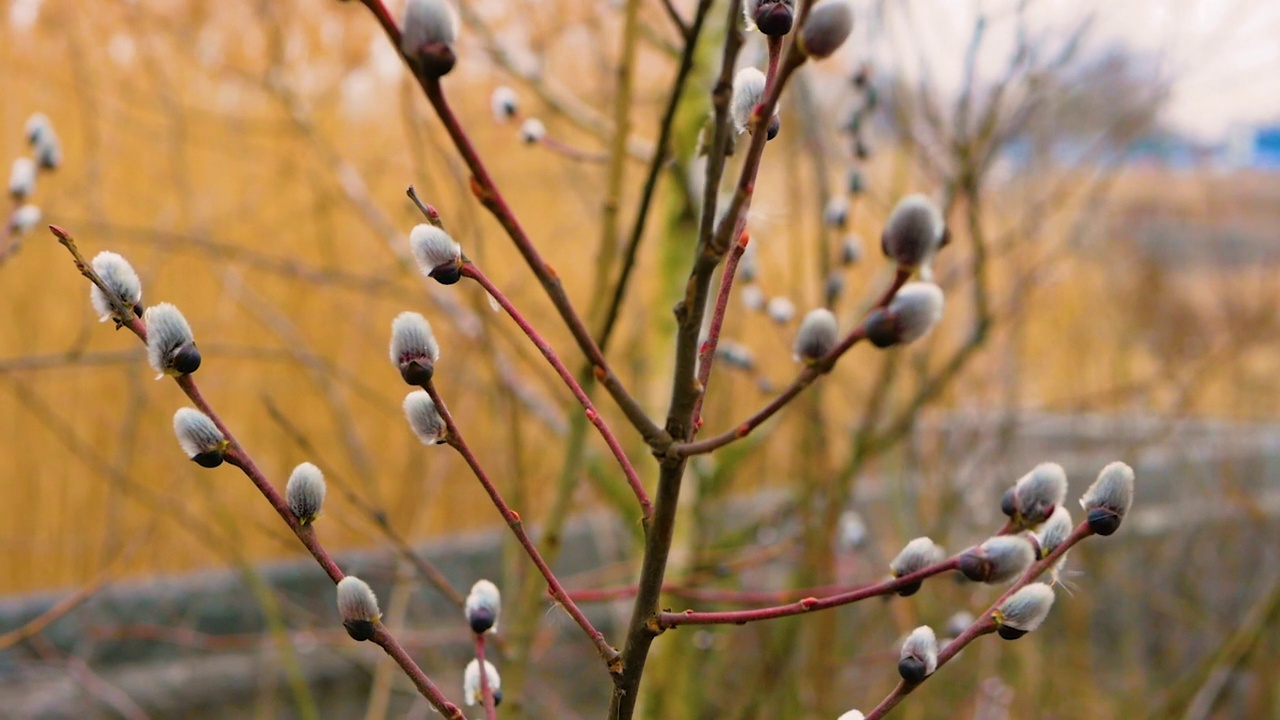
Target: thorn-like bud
{"type": "Point", "coordinates": [414, 350]}
{"type": "Point", "coordinates": [24, 218]}
{"type": "Point", "coordinates": [504, 102]}
{"type": "Point", "coordinates": [852, 715]}
{"type": "Point", "coordinates": [1024, 611]}
{"type": "Point", "coordinates": [909, 316]}
{"type": "Point", "coordinates": [424, 418]}
{"type": "Point", "coordinates": [1034, 496]}
{"type": "Point", "coordinates": [484, 604]}
{"type": "Point", "coordinates": [22, 178]}
{"type": "Point", "coordinates": [918, 554]}
{"type": "Point", "coordinates": [532, 131]}
{"type": "Point", "coordinates": [439, 256]}
{"type": "Point", "coordinates": [999, 559]}
{"type": "Point", "coordinates": [171, 348]}
{"type": "Point", "coordinates": [200, 437]}
{"type": "Point", "coordinates": [771, 17]}
{"type": "Point", "coordinates": [305, 492]}
{"type": "Point", "coordinates": [836, 213]}
{"type": "Point", "coordinates": [817, 335]}
{"type": "Point", "coordinates": [851, 249]}
{"type": "Point", "coordinates": [358, 607]}
{"type": "Point", "coordinates": [471, 683]}
{"type": "Point", "coordinates": [118, 275]}
{"type": "Point", "coordinates": [428, 34]}
{"type": "Point", "coordinates": [753, 297]}
{"type": "Point", "coordinates": [748, 93]}
{"type": "Point", "coordinates": [826, 29]}
{"type": "Point", "coordinates": [1054, 532]}
{"type": "Point", "coordinates": [1108, 499]}
{"type": "Point", "coordinates": [914, 232]}
{"type": "Point", "coordinates": [919, 656]}
{"type": "Point", "coordinates": [780, 310]}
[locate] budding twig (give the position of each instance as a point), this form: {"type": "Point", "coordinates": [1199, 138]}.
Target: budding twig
{"type": "Point", "coordinates": [453, 438]}
{"type": "Point", "coordinates": [486, 692]}
{"type": "Point", "coordinates": [707, 353]}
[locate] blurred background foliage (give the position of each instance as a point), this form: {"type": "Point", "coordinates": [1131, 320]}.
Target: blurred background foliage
{"type": "Point", "coordinates": [1110, 288]}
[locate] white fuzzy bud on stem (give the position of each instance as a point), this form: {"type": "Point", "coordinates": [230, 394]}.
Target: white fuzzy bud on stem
{"type": "Point", "coordinates": [852, 715]}
{"type": "Point", "coordinates": [919, 656]}
{"type": "Point", "coordinates": [910, 315]}
{"type": "Point", "coordinates": [917, 555]}
{"type": "Point", "coordinates": [771, 17]}
{"type": "Point", "coordinates": [483, 605]}
{"type": "Point", "coordinates": [532, 131]}
{"type": "Point", "coordinates": [836, 213]}
{"type": "Point", "coordinates": [1024, 611]}
{"type": "Point", "coordinates": [471, 683]}
{"type": "Point", "coordinates": [24, 218]}
{"type": "Point", "coordinates": [914, 232]}
{"type": "Point", "coordinates": [504, 103]}
{"type": "Point", "coordinates": [428, 35]}
{"type": "Point", "coordinates": [305, 492]}
{"type": "Point", "coordinates": [120, 278]}
{"type": "Point", "coordinates": [171, 348]}
{"type": "Point", "coordinates": [425, 420]}
{"type": "Point", "coordinates": [826, 29]}
{"type": "Point", "coordinates": [780, 310]}
{"type": "Point", "coordinates": [999, 559]}
{"type": "Point", "coordinates": [1054, 531]}
{"type": "Point", "coordinates": [1033, 498]}
{"type": "Point", "coordinates": [200, 437]}
{"type": "Point", "coordinates": [817, 335]}
{"type": "Point", "coordinates": [358, 607]}
{"type": "Point", "coordinates": [414, 350]}
{"type": "Point", "coordinates": [1108, 499]}
{"type": "Point", "coordinates": [22, 178]}
{"type": "Point", "coordinates": [439, 256]}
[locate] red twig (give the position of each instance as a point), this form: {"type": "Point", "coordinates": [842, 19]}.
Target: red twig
{"type": "Point", "coordinates": [666, 620]}
{"type": "Point", "coordinates": [707, 353]}
{"type": "Point", "coordinates": [428, 689]}
{"type": "Point", "coordinates": [455, 440]}
{"type": "Point", "coordinates": [486, 692]}
{"type": "Point", "coordinates": [633, 479]}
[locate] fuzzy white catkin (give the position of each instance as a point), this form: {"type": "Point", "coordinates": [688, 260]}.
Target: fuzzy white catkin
{"type": "Point", "coordinates": [916, 309]}
{"type": "Point", "coordinates": [914, 231]}
{"type": "Point", "coordinates": [532, 131]}
{"type": "Point", "coordinates": [22, 178]}
{"type": "Point", "coordinates": [356, 601]}
{"type": "Point", "coordinates": [412, 339]}
{"type": "Point", "coordinates": [471, 681]}
{"type": "Point", "coordinates": [427, 22]}
{"type": "Point", "coordinates": [424, 418]}
{"type": "Point", "coordinates": [748, 92]}
{"type": "Point", "coordinates": [817, 336]}
{"type": "Point", "coordinates": [826, 29]}
{"type": "Point", "coordinates": [167, 332]}
{"type": "Point", "coordinates": [483, 606]}
{"type": "Point", "coordinates": [1027, 609]}
{"type": "Point", "coordinates": [836, 212]}
{"type": "Point", "coordinates": [36, 126]}
{"type": "Point", "coordinates": [780, 310]}
{"type": "Point", "coordinates": [24, 218]}
{"type": "Point", "coordinates": [49, 150]}
{"type": "Point", "coordinates": [120, 277]}
{"type": "Point", "coordinates": [305, 492]}
{"type": "Point", "coordinates": [504, 103]}
{"type": "Point", "coordinates": [1041, 490]}
{"type": "Point", "coordinates": [1055, 530]}
{"type": "Point", "coordinates": [922, 644]}
{"type": "Point", "coordinates": [196, 432]}
{"type": "Point", "coordinates": [852, 715]}
{"type": "Point", "coordinates": [919, 553]}
{"type": "Point", "coordinates": [433, 247]}
{"type": "Point", "coordinates": [1113, 490]}
{"type": "Point", "coordinates": [1006, 557]}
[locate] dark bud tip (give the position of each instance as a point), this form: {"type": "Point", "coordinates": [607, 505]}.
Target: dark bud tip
{"type": "Point", "coordinates": [447, 274]}
{"type": "Point", "coordinates": [481, 620]}
{"type": "Point", "coordinates": [912, 589]}
{"type": "Point", "coordinates": [211, 459]}
{"type": "Point", "coordinates": [1010, 633]}
{"type": "Point", "coordinates": [187, 359]}
{"type": "Point", "coordinates": [417, 372]}
{"type": "Point", "coordinates": [975, 567]}
{"type": "Point", "coordinates": [775, 126]}
{"type": "Point", "coordinates": [497, 698]}
{"type": "Point", "coordinates": [880, 329]}
{"type": "Point", "coordinates": [861, 150]}
{"type": "Point", "coordinates": [911, 669]}
{"type": "Point", "coordinates": [1103, 521]}
{"type": "Point", "coordinates": [436, 59]}
{"type": "Point", "coordinates": [1009, 503]}
{"type": "Point", "coordinates": [359, 630]}
{"type": "Point", "coordinates": [774, 18]}
{"type": "Point", "coordinates": [137, 309]}
{"type": "Point", "coordinates": [856, 183]}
